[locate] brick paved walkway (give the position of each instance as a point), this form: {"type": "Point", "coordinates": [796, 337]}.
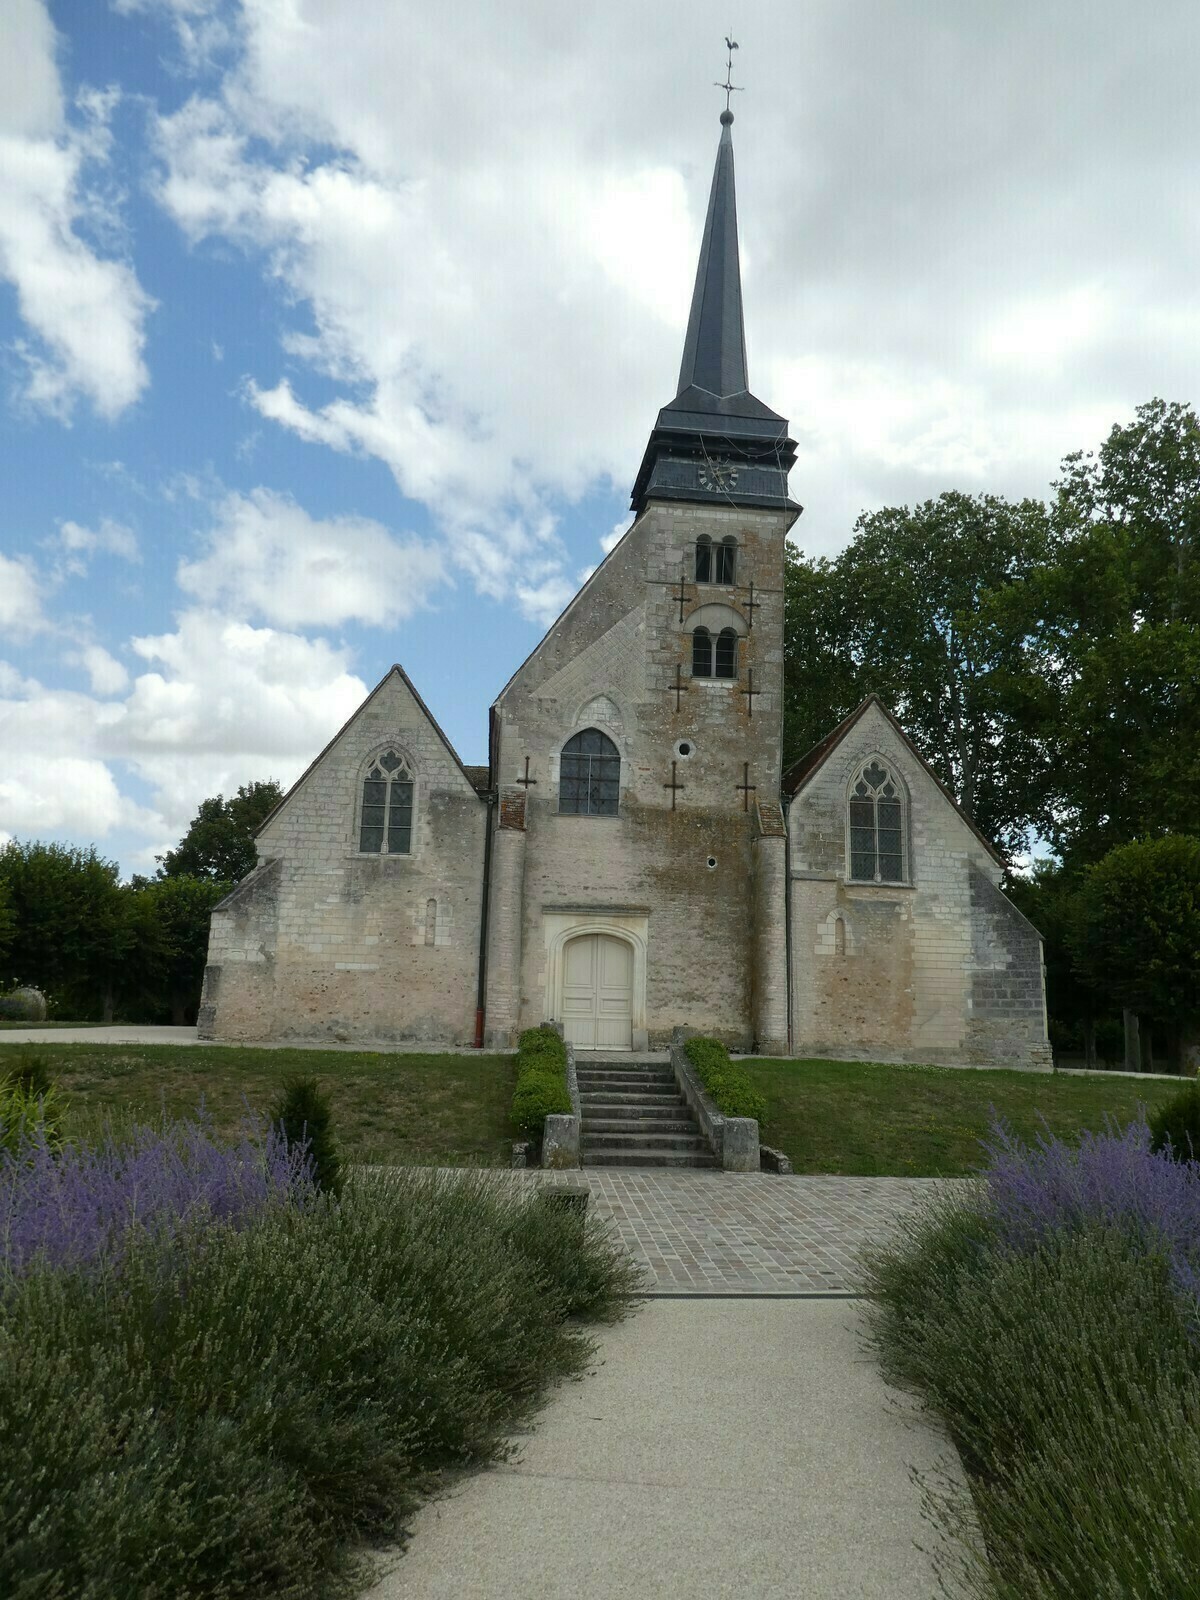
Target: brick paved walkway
{"type": "Point", "coordinates": [745, 1233]}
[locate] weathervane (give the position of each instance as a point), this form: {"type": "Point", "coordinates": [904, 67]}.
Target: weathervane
{"type": "Point", "coordinates": [729, 87]}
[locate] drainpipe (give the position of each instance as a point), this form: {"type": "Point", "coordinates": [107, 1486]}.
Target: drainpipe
{"type": "Point", "coordinates": [787, 908]}
{"type": "Point", "coordinates": [481, 991]}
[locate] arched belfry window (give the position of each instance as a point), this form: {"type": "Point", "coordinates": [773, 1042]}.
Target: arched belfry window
{"type": "Point", "coordinates": [877, 852]}
{"type": "Point", "coordinates": [714, 655]}
{"type": "Point", "coordinates": [589, 775]}
{"type": "Point", "coordinates": [385, 827]}
{"type": "Point", "coordinates": [715, 563]}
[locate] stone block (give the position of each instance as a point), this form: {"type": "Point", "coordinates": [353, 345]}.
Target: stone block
{"type": "Point", "coordinates": [560, 1142]}
{"type": "Point", "coordinates": [739, 1145]}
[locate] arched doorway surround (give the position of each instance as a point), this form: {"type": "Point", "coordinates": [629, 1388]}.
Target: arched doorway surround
{"type": "Point", "coordinates": [596, 979]}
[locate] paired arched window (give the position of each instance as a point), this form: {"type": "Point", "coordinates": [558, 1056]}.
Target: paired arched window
{"type": "Point", "coordinates": [385, 827]}
{"type": "Point", "coordinates": [589, 775]}
{"type": "Point", "coordinates": [715, 562]}
{"type": "Point", "coordinates": [877, 852]}
{"type": "Point", "coordinates": [714, 655]}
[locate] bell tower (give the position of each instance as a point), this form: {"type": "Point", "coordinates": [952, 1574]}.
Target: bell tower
{"type": "Point", "coordinates": [715, 441]}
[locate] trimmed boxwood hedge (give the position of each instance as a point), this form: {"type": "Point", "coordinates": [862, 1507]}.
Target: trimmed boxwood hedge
{"type": "Point", "coordinates": [541, 1090]}
{"type": "Point", "coordinates": [728, 1086]}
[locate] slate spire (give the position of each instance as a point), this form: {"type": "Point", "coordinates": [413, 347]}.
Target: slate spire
{"type": "Point", "coordinates": [714, 352]}
{"type": "Point", "coordinates": [715, 440]}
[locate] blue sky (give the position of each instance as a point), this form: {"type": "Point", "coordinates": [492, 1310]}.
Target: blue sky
{"type": "Point", "coordinates": [331, 333]}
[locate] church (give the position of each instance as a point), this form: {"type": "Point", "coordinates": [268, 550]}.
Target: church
{"type": "Point", "coordinates": [634, 857]}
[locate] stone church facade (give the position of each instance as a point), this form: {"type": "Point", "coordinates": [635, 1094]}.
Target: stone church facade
{"type": "Point", "coordinates": [634, 857]}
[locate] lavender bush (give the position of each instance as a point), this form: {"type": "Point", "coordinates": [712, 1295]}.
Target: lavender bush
{"type": "Point", "coordinates": [1048, 1313]}
{"type": "Point", "coordinates": [260, 1388]}
{"type": "Point", "coordinates": [1111, 1180]}
{"type": "Point", "coordinates": [78, 1207]}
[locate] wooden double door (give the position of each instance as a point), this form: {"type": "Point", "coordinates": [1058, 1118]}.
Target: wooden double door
{"type": "Point", "coordinates": [597, 1006]}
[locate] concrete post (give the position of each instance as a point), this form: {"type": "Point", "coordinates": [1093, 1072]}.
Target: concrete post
{"type": "Point", "coordinates": [504, 936]}
{"type": "Point", "coordinates": [770, 945]}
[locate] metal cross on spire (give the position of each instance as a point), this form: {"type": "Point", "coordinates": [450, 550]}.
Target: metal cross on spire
{"type": "Point", "coordinates": [729, 87]}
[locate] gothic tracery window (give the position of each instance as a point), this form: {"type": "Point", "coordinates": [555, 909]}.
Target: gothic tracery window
{"type": "Point", "coordinates": [714, 655]}
{"type": "Point", "coordinates": [385, 826]}
{"type": "Point", "coordinates": [877, 826]}
{"type": "Point", "coordinates": [589, 775]}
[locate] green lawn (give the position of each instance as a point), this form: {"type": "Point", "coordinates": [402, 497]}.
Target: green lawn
{"type": "Point", "coordinates": [845, 1117]}
{"type": "Point", "coordinates": [445, 1109]}
{"type": "Point", "coordinates": [861, 1119]}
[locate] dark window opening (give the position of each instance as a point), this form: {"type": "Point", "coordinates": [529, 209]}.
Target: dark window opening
{"type": "Point", "coordinates": [589, 776]}
{"type": "Point", "coordinates": [704, 554]}
{"type": "Point", "coordinates": [726, 654]}
{"type": "Point", "coordinates": [714, 656]}
{"type": "Point", "coordinates": [702, 653]}
{"type": "Point", "coordinates": [724, 555]}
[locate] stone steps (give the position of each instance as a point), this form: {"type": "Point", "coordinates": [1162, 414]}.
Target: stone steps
{"type": "Point", "coordinates": [633, 1115]}
{"type": "Point", "coordinates": [632, 1123]}
{"type": "Point", "coordinates": [646, 1158]}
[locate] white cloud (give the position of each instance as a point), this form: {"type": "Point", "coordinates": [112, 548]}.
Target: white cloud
{"type": "Point", "coordinates": [954, 249]}
{"type": "Point", "coordinates": [75, 545]}
{"type": "Point", "coordinates": [85, 312]}
{"type": "Point", "coordinates": [266, 557]}
{"type": "Point", "coordinates": [44, 795]}
{"type": "Point", "coordinates": [110, 536]}
{"type": "Point", "coordinates": [20, 597]}
{"type": "Point", "coordinates": [108, 676]}
{"type": "Point", "coordinates": [218, 703]}
{"type": "Point", "coordinates": [616, 533]}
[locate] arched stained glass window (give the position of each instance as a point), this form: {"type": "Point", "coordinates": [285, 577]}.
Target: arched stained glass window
{"type": "Point", "coordinates": [714, 655]}
{"type": "Point", "coordinates": [385, 826]}
{"type": "Point", "coordinates": [589, 775]}
{"type": "Point", "coordinates": [877, 826]}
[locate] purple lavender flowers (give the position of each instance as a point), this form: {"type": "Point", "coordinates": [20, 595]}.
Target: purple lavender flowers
{"type": "Point", "coordinates": [1112, 1178]}
{"type": "Point", "coordinates": [79, 1207]}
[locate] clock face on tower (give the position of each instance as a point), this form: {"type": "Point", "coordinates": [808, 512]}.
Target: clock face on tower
{"type": "Point", "coordinates": [718, 475]}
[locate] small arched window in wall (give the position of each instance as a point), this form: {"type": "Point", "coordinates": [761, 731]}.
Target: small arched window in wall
{"type": "Point", "coordinates": [589, 775]}
{"type": "Point", "coordinates": [385, 827]}
{"type": "Point", "coordinates": [714, 655]}
{"type": "Point", "coordinates": [839, 937]}
{"type": "Point", "coordinates": [877, 826]}
{"type": "Point", "coordinates": [430, 922]}
{"type": "Point", "coordinates": [715, 563]}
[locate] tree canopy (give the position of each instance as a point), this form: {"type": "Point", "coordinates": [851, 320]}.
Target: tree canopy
{"type": "Point", "coordinates": [930, 608]}
{"type": "Point", "coordinates": [219, 843]}
{"type": "Point", "coordinates": [1135, 932]}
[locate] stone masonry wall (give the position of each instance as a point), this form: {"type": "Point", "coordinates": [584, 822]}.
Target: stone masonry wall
{"type": "Point", "coordinates": [331, 944]}
{"type": "Point", "coordinates": [611, 662]}
{"type": "Point", "coordinates": [943, 969]}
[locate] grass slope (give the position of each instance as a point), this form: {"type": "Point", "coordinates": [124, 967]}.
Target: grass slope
{"type": "Point", "coordinates": [438, 1109]}
{"type": "Point", "coordinates": [868, 1120]}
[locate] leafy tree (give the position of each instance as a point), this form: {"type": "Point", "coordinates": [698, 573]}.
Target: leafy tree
{"type": "Point", "coordinates": [1049, 897]}
{"type": "Point", "coordinates": [181, 908]}
{"type": "Point", "coordinates": [8, 923]}
{"type": "Point", "coordinates": [1136, 935]}
{"type": "Point", "coordinates": [931, 608]}
{"type": "Point", "coordinates": [1120, 635]}
{"type": "Point", "coordinates": [71, 935]}
{"type": "Point", "coordinates": [219, 843]}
